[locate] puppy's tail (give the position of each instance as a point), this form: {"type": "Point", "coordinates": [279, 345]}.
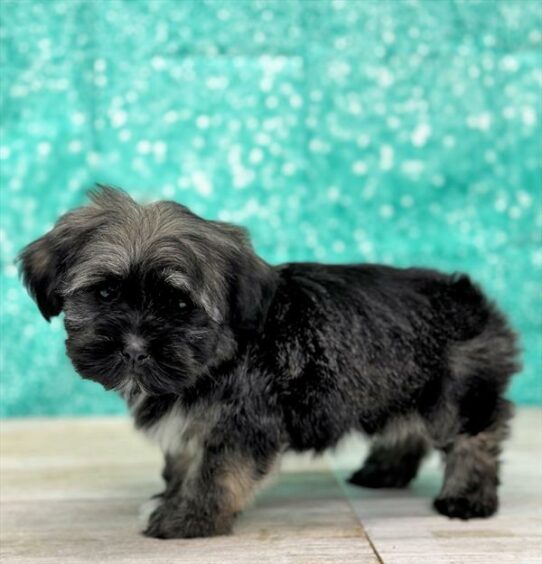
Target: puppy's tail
{"type": "Point", "coordinates": [483, 359]}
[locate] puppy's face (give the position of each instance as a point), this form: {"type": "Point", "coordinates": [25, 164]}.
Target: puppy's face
{"type": "Point", "coordinates": [140, 328]}
{"type": "Point", "coordinates": [153, 295]}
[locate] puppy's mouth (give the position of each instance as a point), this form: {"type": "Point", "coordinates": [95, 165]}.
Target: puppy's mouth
{"type": "Point", "coordinates": [132, 385]}
{"type": "Point", "coordinates": [151, 378]}
{"type": "Point", "coordinates": [120, 368]}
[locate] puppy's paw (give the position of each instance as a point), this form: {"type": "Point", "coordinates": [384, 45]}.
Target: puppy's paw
{"type": "Point", "coordinates": [172, 520]}
{"type": "Point", "coordinates": [374, 476]}
{"type": "Point", "coordinates": [467, 507]}
{"type": "Point", "coordinates": [148, 508]}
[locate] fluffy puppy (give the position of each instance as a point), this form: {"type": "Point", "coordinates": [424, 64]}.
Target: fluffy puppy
{"type": "Point", "coordinates": [227, 361]}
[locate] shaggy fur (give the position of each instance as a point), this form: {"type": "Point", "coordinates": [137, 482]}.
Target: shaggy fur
{"type": "Point", "coordinates": [227, 361]}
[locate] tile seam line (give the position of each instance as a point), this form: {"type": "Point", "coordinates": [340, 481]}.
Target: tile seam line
{"type": "Point", "coordinates": [342, 487]}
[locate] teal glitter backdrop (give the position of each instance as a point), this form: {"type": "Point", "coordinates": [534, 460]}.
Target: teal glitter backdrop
{"type": "Point", "coordinates": [404, 132]}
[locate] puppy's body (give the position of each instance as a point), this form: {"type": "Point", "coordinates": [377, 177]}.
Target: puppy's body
{"type": "Point", "coordinates": [265, 359]}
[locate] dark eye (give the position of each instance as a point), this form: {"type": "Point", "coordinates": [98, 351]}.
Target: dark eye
{"type": "Point", "coordinates": [182, 302]}
{"type": "Point", "coordinates": [107, 292]}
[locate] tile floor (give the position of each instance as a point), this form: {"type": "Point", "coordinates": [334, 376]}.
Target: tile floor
{"type": "Point", "coordinates": [70, 490]}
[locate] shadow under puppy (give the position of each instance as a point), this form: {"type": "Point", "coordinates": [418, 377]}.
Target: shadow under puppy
{"type": "Point", "coordinates": [227, 361]}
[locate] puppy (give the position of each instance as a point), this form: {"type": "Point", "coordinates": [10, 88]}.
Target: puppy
{"type": "Point", "coordinates": [226, 361]}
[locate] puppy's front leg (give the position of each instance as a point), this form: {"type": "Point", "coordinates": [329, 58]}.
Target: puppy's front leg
{"type": "Point", "coordinates": [208, 499]}
{"type": "Point", "coordinates": [176, 467]}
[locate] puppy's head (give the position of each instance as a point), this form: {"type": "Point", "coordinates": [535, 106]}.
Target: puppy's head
{"type": "Point", "coordinates": [153, 295]}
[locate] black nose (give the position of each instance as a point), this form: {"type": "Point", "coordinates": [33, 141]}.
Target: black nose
{"type": "Point", "coordinates": [135, 353]}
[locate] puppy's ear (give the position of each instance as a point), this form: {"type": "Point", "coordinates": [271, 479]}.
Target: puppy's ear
{"type": "Point", "coordinates": [40, 266]}
{"type": "Point", "coordinates": [253, 286]}
{"type": "Point", "coordinates": [44, 262]}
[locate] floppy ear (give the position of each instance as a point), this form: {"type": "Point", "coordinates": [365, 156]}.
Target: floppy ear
{"type": "Point", "coordinates": [40, 265]}
{"type": "Point", "coordinates": [44, 262]}
{"type": "Point", "coordinates": [253, 286]}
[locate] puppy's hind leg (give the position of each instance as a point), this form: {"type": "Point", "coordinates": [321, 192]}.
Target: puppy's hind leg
{"type": "Point", "coordinates": [471, 475]}
{"type": "Point", "coordinates": [480, 371]}
{"type": "Point", "coordinates": [395, 456]}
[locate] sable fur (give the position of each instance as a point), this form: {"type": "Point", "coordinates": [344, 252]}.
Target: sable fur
{"type": "Point", "coordinates": [227, 361]}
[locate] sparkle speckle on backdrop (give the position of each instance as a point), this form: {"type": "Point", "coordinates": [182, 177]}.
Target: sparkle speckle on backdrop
{"type": "Point", "coordinates": [405, 132]}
